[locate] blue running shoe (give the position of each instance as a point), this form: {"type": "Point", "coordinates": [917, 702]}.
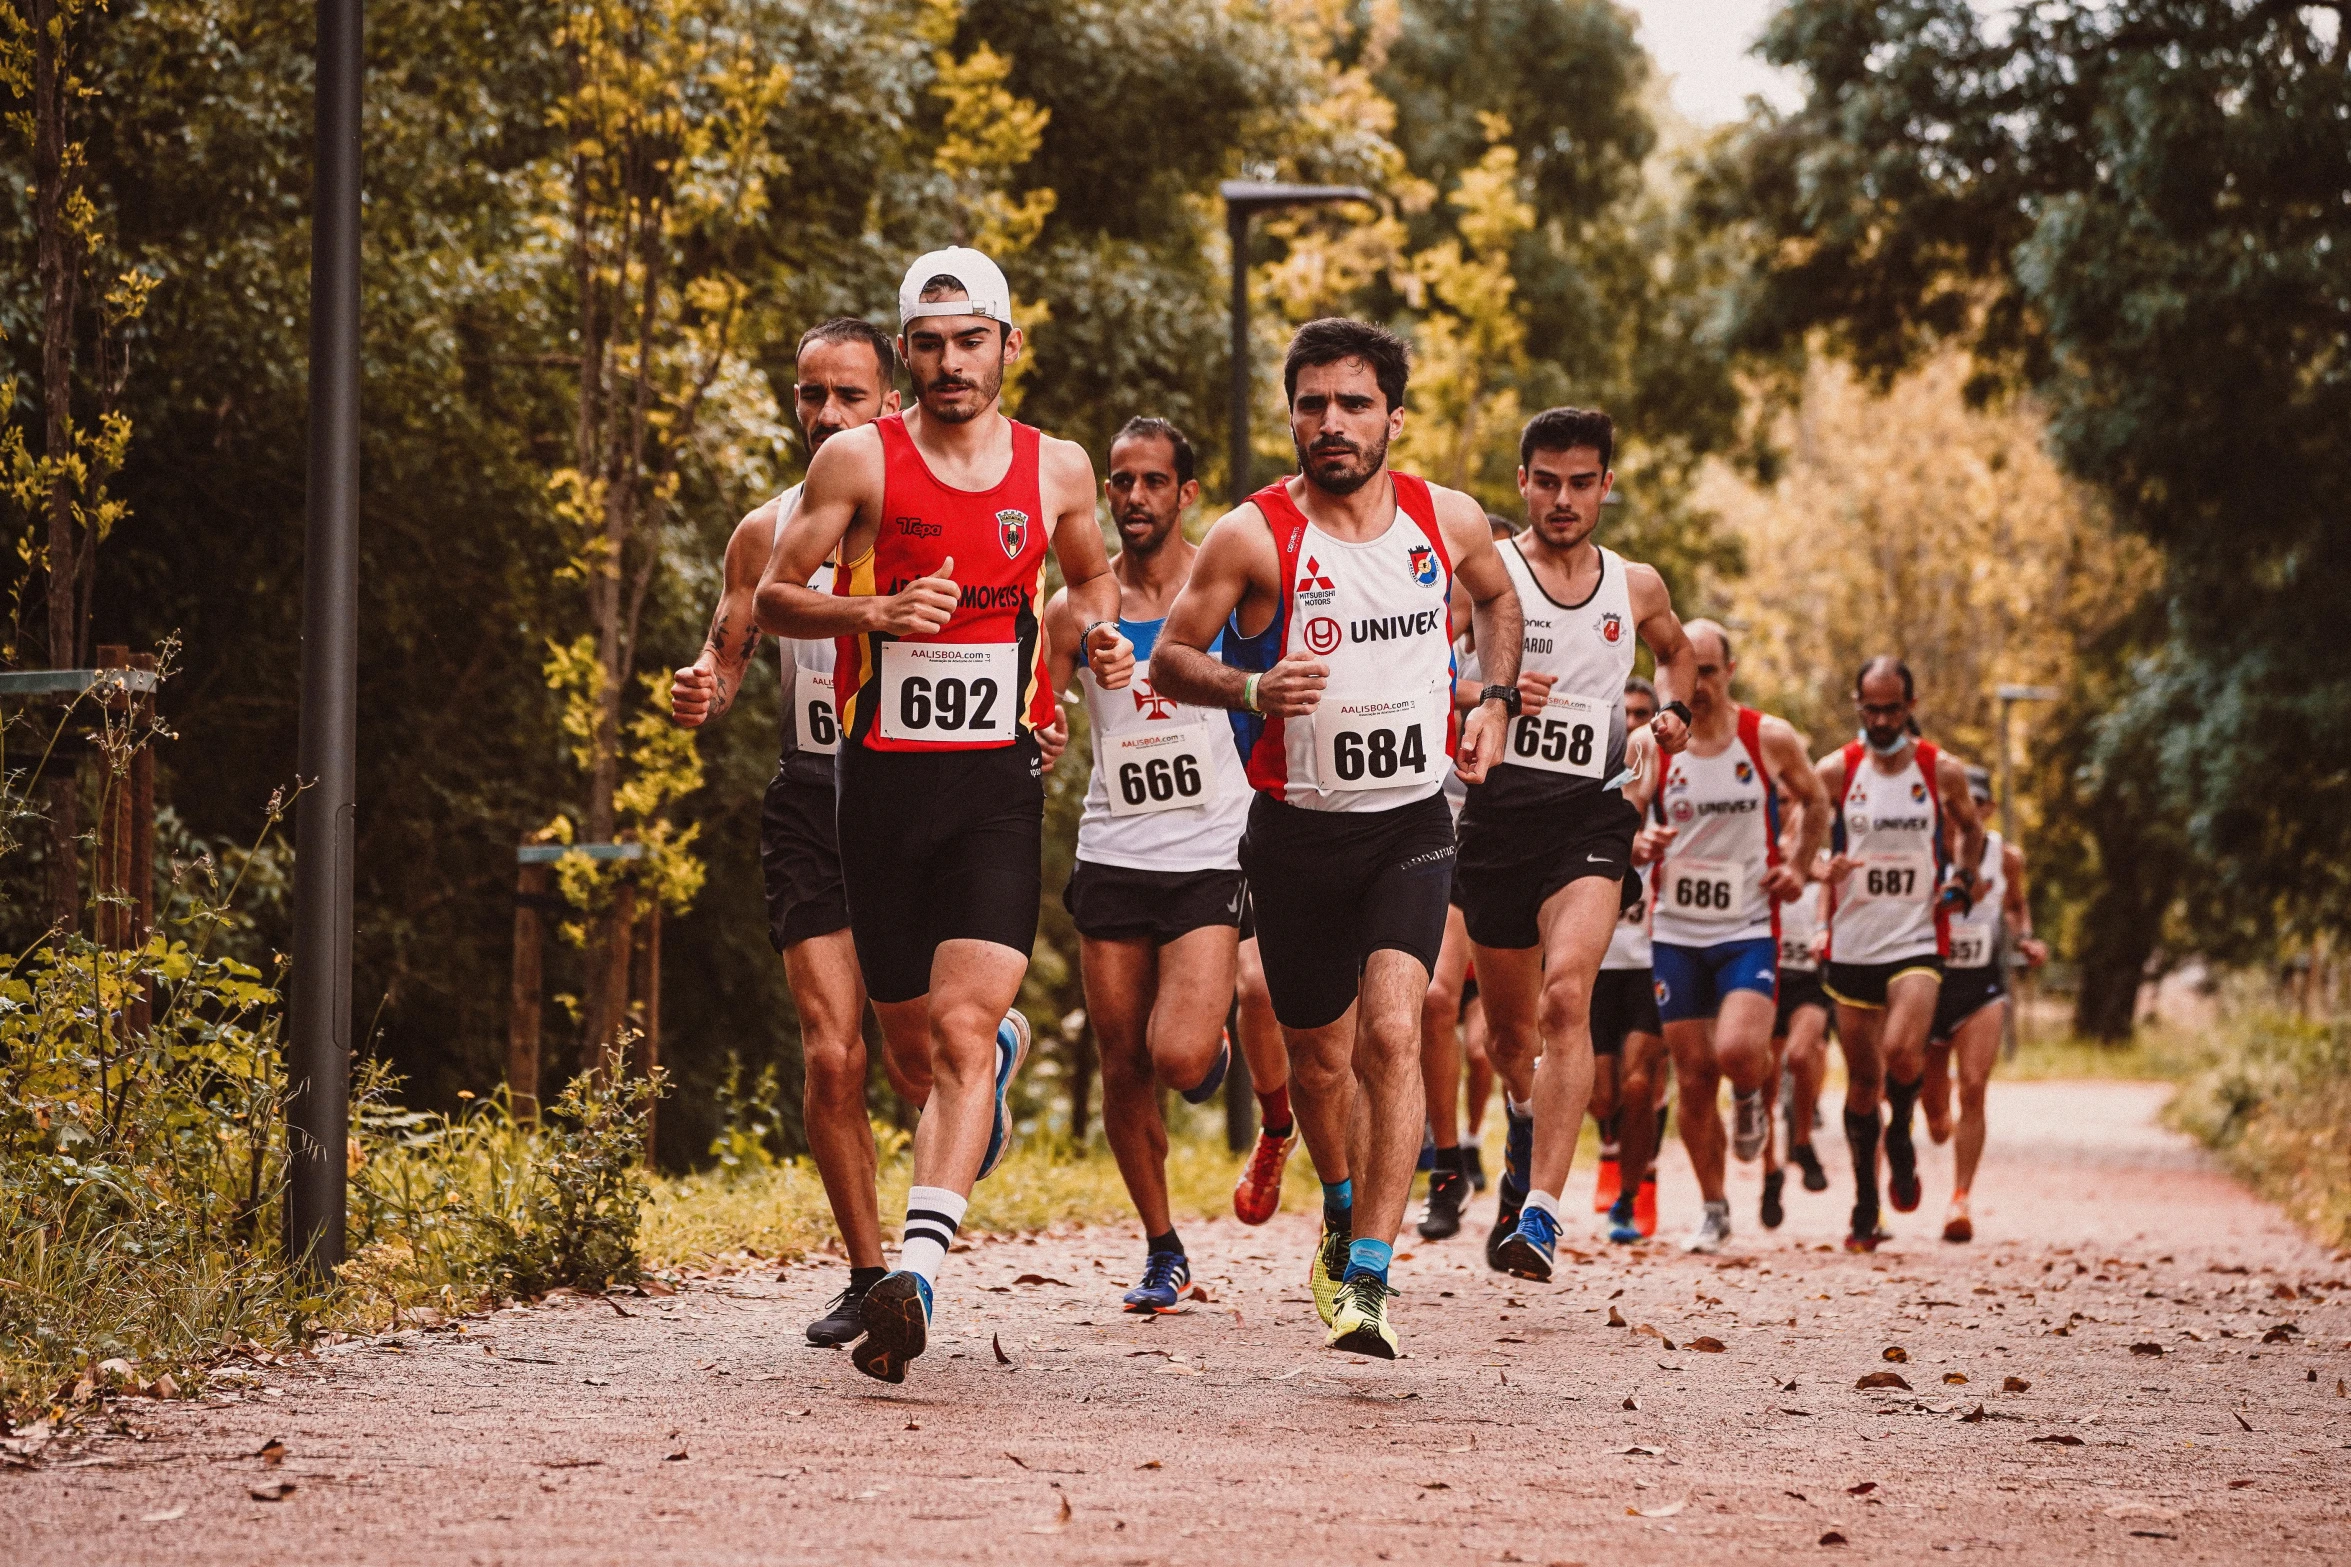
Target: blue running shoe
{"type": "Point", "coordinates": [1527, 1251]}
{"type": "Point", "coordinates": [897, 1318]}
{"type": "Point", "coordinates": [1518, 1147]}
{"type": "Point", "coordinates": [1623, 1229]}
{"type": "Point", "coordinates": [1510, 1197]}
{"type": "Point", "coordinates": [1165, 1273]}
{"type": "Point", "coordinates": [1012, 1048]}
{"type": "Point", "coordinates": [1206, 1090]}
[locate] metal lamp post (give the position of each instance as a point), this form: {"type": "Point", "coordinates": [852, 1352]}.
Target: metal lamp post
{"type": "Point", "coordinates": [2011, 1035]}
{"type": "Point", "coordinates": [1243, 200]}
{"type": "Point", "coordinates": [318, 1100]}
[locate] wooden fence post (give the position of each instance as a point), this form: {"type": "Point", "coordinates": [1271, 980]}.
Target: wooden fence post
{"type": "Point", "coordinates": [532, 885]}
{"type": "Point", "coordinates": [142, 835]}
{"type": "Point", "coordinates": [604, 1051]}
{"type": "Point", "coordinates": [111, 926]}
{"type": "Point", "coordinates": [645, 1054]}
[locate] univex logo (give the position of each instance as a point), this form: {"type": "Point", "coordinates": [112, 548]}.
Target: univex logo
{"type": "Point", "coordinates": [1395, 628]}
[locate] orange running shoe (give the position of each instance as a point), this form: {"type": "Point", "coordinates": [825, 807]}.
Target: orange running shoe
{"type": "Point", "coordinates": [1645, 1208]}
{"type": "Point", "coordinates": [1257, 1195]}
{"type": "Point", "coordinates": [1959, 1227]}
{"type": "Point", "coordinates": [1604, 1189]}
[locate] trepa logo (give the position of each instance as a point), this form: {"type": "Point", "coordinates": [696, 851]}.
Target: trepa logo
{"type": "Point", "coordinates": [1012, 531]}
{"type": "Point", "coordinates": [915, 527]}
{"type": "Point", "coordinates": [1611, 628]}
{"type": "Point", "coordinates": [1424, 565]}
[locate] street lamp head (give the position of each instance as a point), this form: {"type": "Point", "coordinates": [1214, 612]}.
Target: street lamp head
{"type": "Point", "coordinates": [1246, 196]}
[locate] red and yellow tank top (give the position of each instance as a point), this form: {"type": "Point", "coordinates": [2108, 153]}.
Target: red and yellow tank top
{"type": "Point", "coordinates": [979, 680]}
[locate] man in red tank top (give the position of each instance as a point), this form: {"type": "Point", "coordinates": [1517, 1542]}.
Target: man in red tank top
{"type": "Point", "coordinates": [941, 519]}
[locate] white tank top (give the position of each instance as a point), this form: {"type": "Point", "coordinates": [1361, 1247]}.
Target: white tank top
{"type": "Point", "coordinates": [1576, 743]}
{"type": "Point", "coordinates": [1376, 613]}
{"type": "Point", "coordinates": [1167, 792]}
{"type": "Point", "coordinates": [1799, 923]}
{"type": "Point", "coordinates": [1975, 935]}
{"type": "Point", "coordinates": [1725, 816]}
{"type": "Point", "coordinates": [812, 726]}
{"type": "Point", "coordinates": [1465, 665]}
{"type": "Point", "coordinates": [1628, 944]}
{"type": "Point", "coordinates": [1890, 823]}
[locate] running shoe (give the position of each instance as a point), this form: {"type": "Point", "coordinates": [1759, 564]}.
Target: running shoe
{"type": "Point", "coordinates": [1645, 1207]}
{"type": "Point", "coordinates": [1622, 1231]}
{"type": "Point", "coordinates": [842, 1321]}
{"type": "Point", "coordinates": [1816, 1179]}
{"type": "Point", "coordinates": [1958, 1227]}
{"type": "Point", "coordinates": [1902, 1188]}
{"type": "Point", "coordinates": [1773, 1213]}
{"type": "Point", "coordinates": [1359, 1318]}
{"type": "Point", "coordinates": [1527, 1251]}
{"type": "Point", "coordinates": [1257, 1195]}
{"type": "Point", "coordinates": [897, 1320]}
{"type": "Point", "coordinates": [1714, 1227]}
{"type": "Point", "coordinates": [1441, 1219]}
{"type": "Point", "coordinates": [1205, 1090]}
{"type": "Point", "coordinates": [1867, 1233]}
{"type": "Point", "coordinates": [1473, 1164]}
{"type": "Point", "coordinates": [1511, 1197]}
{"type": "Point", "coordinates": [1165, 1273]}
{"type": "Point", "coordinates": [1328, 1268]}
{"type": "Point", "coordinates": [1754, 1123]}
{"type": "Point", "coordinates": [1604, 1188]}
{"type": "Point", "coordinates": [1012, 1048]}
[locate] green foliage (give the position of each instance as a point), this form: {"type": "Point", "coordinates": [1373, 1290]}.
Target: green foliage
{"type": "Point", "coordinates": [751, 1120]}
{"type": "Point", "coordinates": [2275, 1102]}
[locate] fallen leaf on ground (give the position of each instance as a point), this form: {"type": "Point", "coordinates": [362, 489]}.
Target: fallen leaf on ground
{"type": "Point", "coordinates": [1863, 1489]}
{"type": "Point", "coordinates": [1708, 1345]}
{"type": "Point", "coordinates": [1790, 1409]}
{"type": "Point", "coordinates": [1148, 1463]}
{"type": "Point", "coordinates": [272, 1451]}
{"type": "Point", "coordinates": [1199, 1292]}
{"type": "Point", "coordinates": [1016, 1458]}
{"type": "Point", "coordinates": [168, 1515]}
{"type": "Point", "coordinates": [1615, 1318]}
{"type": "Point", "coordinates": [1667, 1511]}
{"type": "Point", "coordinates": [2283, 1333]}
{"type": "Point", "coordinates": [996, 1343]}
{"type": "Point", "coordinates": [2146, 1347]}
{"type": "Point", "coordinates": [2061, 1438]}
{"type": "Point", "coordinates": [275, 1491]}
{"type": "Point", "coordinates": [1896, 1353]}
{"type": "Point", "coordinates": [1637, 1448]}
{"type": "Point", "coordinates": [1628, 1402]}
{"type": "Point", "coordinates": [1039, 1278]}
{"type": "Point", "coordinates": [2015, 1385]}
{"type": "Point", "coordinates": [911, 1425]}
{"type": "Point", "coordinates": [2239, 1485]}
{"type": "Point", "coordinates": [1059, 1523]}
{"type": "Point", "coordinates": [1832, 1538]}
{"type": "Point", "coordinates": [1434, 1485]}
{"type": "Point", "coordinates": [679, 1456]}
{"type": "Point", "coordinates": [1883, 1379]}
{"type": "Point", "coordinates": [1955, 1379]}
{"type": "Point", "coordinates": [164, 1387]}
{"type": "Point", "coordinates": [1974, 1416]}
{"type": "Point", "coordinates": [2243, 1422]}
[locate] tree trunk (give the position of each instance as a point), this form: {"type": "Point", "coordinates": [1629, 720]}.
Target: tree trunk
{"type": "Point", "coordinates": [2122, 924]}
{"type": "Point", "coordinates": [53, 263]}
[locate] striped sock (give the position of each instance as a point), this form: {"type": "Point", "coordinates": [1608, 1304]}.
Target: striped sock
{"type": "Point", "coordinates": [933, 1214]}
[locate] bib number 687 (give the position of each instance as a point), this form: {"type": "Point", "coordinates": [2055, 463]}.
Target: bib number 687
{"type": "Point", "coordinates": [1380, 753]}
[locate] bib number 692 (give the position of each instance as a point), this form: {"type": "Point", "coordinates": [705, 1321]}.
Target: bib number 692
{"type": "Point", "coordinates": [947, 703]}
{"type": "Point", "coordinates": [1378, 753]}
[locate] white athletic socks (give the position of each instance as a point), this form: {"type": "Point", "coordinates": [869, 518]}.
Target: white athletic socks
{"type": "Point", "coordinates": [933, 1214]}
{"type": "Point", "coordinates": [1523, 1112]}
{"type": "Point", "coordinates": [1544, 1202]}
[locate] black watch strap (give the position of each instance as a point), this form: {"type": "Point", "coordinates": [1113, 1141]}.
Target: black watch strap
{"type": "Point", "coordinates": [1506, 695]}
{"type": "Point", "coordinates": [1679, 710]}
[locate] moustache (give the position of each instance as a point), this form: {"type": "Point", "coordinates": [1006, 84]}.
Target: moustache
{"type": "Point", "coordinates": [952, 383]}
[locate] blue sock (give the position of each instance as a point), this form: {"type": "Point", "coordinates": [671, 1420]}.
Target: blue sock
{"type": "Point", "coordinates": [1338, 1200]}
{"type": "Point", "coordinates": [1370, 1257]}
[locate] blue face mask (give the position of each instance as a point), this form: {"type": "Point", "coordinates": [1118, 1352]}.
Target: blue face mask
{"type": "Point", "coordinates": [1901, 738]}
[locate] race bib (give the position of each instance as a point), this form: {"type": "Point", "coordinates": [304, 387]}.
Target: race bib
{"type": "Point", "coordinates": [1796, 954]}
{"type": "Point", "coordinates": [1159, 769]}
{"type": "Point", "coordinates": [950, 693]}
{"type": "Point", "coordinates": [1971, 947]}
{"type": "Point", "coordinates": [1900, 878]}
{"type": "Point", "coordinates": [1378, 744]}
{"type": "Point", "coordinates": [820, 716]}
{"type": "Point", "coordinates": [1570, 735]}
{"type": "Point", "coordinates": [1704, 890]}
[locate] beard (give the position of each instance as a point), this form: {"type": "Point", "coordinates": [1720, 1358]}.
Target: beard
{"type": "Point", "coordinates": [1887, 740]}
{"type": "Point", "coordinates": [988, 387]}
{"type": "Point", "coordinates": [1341, 469]}
{"type": "Point", "coordinates": [1148, 544]}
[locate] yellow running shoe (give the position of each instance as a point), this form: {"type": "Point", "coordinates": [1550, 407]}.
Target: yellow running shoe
{"type": "Point", "coordinates": [1328, 1268]}
{"type": "Point", "coordinates": [1360, 1324]}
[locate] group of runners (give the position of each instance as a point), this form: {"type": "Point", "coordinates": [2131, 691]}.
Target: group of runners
{"type": "Point", "coordinates": [1372, 776]}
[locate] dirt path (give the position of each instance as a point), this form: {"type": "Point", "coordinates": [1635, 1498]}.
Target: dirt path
{"type": "Point", "coordinates": [700, 1429]}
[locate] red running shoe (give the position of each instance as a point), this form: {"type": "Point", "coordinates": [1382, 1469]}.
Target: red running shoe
{"type": "Point", "coordinates": [1257, 1195]}
{"type": "Point", "coordinates": [1645, 1208]}
{"type": "Point", "coordinates": [1604, 1189]}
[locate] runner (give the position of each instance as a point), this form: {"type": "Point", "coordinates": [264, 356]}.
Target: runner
{"type": "Point", "coordinates": [1972, 1008]}
{"type": "Point", "coordinates": [941, 518]}
{"type": "Point", "coordinates": [1336, 584]}
{"type": "Point", "coordinates": [1718, 892]}
{"type": "Point", "coordinates": [1799, 1039]}
{"type": "Point", "coordinates": [1905, 835]}
{"type": "Point", "coordinates": [844, 376]}
{"type": "Point", "coordinates": [1547, 837]}
{"type": "Point", "coordinates": [1156, 890]}
{"type": "Point", "coordinates": [1628, 1041]}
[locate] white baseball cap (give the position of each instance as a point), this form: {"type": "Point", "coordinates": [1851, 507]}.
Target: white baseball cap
{"type": "Point", "coordinates": [982, 280]}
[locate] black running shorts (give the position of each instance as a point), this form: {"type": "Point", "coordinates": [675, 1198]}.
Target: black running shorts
{"type": "Point", "coordinates": [1512, 863]}
{"type": "Point", "coordinates": [939, 846]}
{"type": "Point", "coordinates": [1799, 987]}
{"type": "Point", "coordinates": [1966, 991]}
{"type": "Point", "coordinates": [1120, 903]}
{"type": "Point", "coordinates": [1624, 1001]}
{"type": "Point", "coordinates": [1864, 984]}
{"type": "Point", "coordinates": [800, 861]}
{"type": "Point", "coordinates": [1330, 888]}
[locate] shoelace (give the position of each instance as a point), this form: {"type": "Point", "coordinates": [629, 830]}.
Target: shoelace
{"type": "Point", "coordinates": [1366, 1292]}
{"type": "Point", "coordinates": [1161, 1270]}
{"type": "Point", "coordinates": [1263, 1162]}
{"type": "Point", "coordinates": [1541, 1225]}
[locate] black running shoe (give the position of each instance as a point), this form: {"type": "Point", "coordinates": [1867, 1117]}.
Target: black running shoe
{"type": "Point", "coordinates": [842, 1321]}
{"type": "Point", "coordinates": [1448, 1190]}
{"type": "Point", "coordinates": [1473, 1165]}
{"type": "Point", "coordinates": [1816, 1179]}
{"type": "Point", "coordinates": [1505, 1221]}
{"type": "Point", "coordinates": [1773, 1213]}
{"type": "Point", "coordinates": [897, 1319]}
{"type": "Point", "coordinates": [1867, 1233]}
{"type": "Point", "coordinates": [1902, 1188]}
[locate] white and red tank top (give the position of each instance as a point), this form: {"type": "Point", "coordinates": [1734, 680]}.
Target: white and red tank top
{"type": "Point", "coordinates": [980, 679]}
{"type": "Point", "coordinates": [1725, 812]}
{"type": "Point", "coordinates": [1377, 614]}
{"type": "Point", "coordinates": [1891, 826]}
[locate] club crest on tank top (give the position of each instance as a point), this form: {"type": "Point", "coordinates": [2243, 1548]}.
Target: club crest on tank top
{"type": "Point", "coordinates": [1376, 612]}
{"type": "Point", "coordinates": [979, 680]}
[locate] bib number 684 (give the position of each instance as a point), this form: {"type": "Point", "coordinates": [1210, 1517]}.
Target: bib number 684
{"type": "Point", "coordinates": [1378, 753]}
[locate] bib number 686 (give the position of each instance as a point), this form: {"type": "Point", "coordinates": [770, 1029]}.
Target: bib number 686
{"type": "Point", "coordinates": [1378, 753]}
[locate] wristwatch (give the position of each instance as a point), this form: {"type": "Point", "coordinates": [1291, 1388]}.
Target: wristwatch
{"type": "Point", "coordinates": [1506, 695]}
{"type": "Point", "coordinates": [1679, 710]}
